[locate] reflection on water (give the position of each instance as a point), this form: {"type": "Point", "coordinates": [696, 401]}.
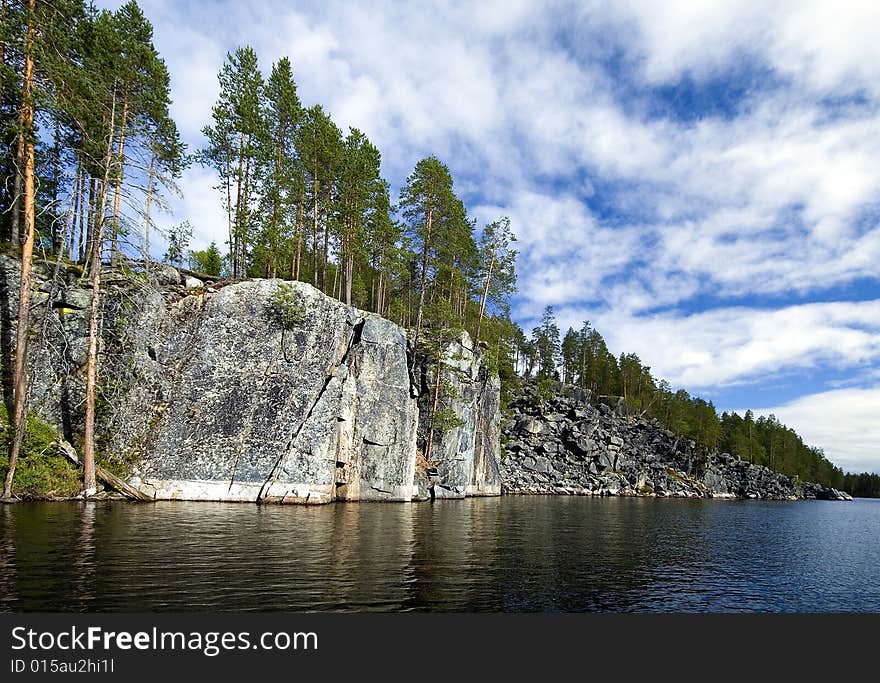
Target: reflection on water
{"type": "Point", "coordinates": [512, 554]}
{"type": "Point", "coordinates": [7, 558]}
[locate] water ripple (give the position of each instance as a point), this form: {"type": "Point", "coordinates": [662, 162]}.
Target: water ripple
{"type": "Point", "coordinates": [515, 554]}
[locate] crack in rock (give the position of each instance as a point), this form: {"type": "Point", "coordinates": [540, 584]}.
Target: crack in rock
{"type": "Point", "coordinates": [353, 340]}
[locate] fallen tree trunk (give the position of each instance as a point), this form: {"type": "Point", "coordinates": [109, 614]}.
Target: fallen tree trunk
{"type": "Point", "coordinates": [103, 475]}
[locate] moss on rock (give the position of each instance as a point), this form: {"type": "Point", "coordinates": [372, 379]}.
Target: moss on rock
{"type": "Point", "coordinates": [40, 473]}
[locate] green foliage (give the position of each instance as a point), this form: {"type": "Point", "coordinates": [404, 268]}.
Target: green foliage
{"type": "Point", "coordinates": [766, 441]}
{"type": "Point", "coordinates": [499, 343]}
{"type": "Point", "coordinates": [89, 65]}
{"type": "Point", "coordinates": [445, 419]}
{"type": "Point", "coordinates": [40, 471]}
{"type": "Point", "coordinates": [208, 261]}
{"type": "Point", "coordinates": [281, 171]}
{"type": "Point", "coordinates": [286, 308]}
{"type": "Point", "coordinates": [864, 485]}
{"type": "Point", "coordinates": [547, 347]}
{"type": "Point", "coordinates": [546, 389]}
{"type": "Point", "coordinates": [444, 253]}
{"type": "Point", "coordinates": [178, 243]}
{"type": "Point", "coordinates": [497, 254]}
{"type": "Point", "coordinates": [236, 146]}
{"type": "Point", "coordinates": [306, 201]}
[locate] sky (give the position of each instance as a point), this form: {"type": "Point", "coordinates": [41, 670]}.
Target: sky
{"type": "Point", "coordinates": [698, 179]}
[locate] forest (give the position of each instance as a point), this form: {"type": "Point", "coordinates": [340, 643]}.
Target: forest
{"type": "Point", "coordinates": [91, 155]}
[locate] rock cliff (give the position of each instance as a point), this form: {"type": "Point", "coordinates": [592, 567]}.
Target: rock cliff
{"type": "Point", "coordinates": [569, 445]}
{"type": "Point", "coordinates": [260, 390]}
{"type": "Point", "coordinates": [463, 455]}
{"type": "Point", "coordinates": [270, 391]}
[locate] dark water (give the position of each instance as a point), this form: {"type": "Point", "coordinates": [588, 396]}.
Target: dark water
{"type": "Point", "coordinates": [515, 554]}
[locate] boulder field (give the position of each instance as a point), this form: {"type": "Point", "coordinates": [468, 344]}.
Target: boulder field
{"type": "Point", "coordinates": [572, 445]}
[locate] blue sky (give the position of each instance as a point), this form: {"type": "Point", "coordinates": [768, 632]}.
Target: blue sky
{"type": "Point", "coordinates": [700, 180]}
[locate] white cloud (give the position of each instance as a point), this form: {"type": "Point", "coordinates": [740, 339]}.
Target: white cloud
{"type": "Point", "coordinates": [827, 46]}
{"type": "Point", "coordinates": [497, 98]}
{"type": "Point", "coordinates": [201, 200]}
{"type": "Point", "coordinates": [843, 422]}
{"type": "Point", "coordinates": [731, 345]}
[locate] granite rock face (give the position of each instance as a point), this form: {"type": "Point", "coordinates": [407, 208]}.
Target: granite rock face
{"type": "Point", "coordinates": [571, 445]}
{"type": "Point", "coordinates": [213, 393]}
{"type": "Point", "coordinates": [463, 456]}
{"type": "Point", "coordinates": [251, 410]}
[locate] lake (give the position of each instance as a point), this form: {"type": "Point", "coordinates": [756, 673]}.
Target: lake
{"type": "Point", "coordinates": [508, 554]}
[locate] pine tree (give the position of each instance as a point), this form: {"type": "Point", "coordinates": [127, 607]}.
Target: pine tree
{"type": "Point", "coordinates": [281, 168]}
{"type": "Point", "coordinates": [143, 86]}
{"type": "Point", "coordinates": [38, 42]}
{"type": "Point", "coordinates": [26, 133]}
{"type": "Point", "coordinates": [234, 143]}
{"type": "Point", "coordinates": [168, 158]}
{"type": "Point", "coordinates": [207, 261]}
{"type": "Point", "coordinates": [359, 182]}
{"type": "Point", "coordinates": [426, 200]}
{"type": "Point", "coordinates": [585, 356]}
{"type": "Point", "coordinates": [548, 346]}
{"type": "Point", "coordinates": [178, 244]}
{"type": "Point", "coordinates": [89, 486]}
{"type": "Point", "coordinates": [497, 268]}
{"type": "Point", "coordinates": [318, 145]}
{"type": "Point", "coordinates": [570, 355]}
{"type": "Point", "coordinates": [386, 256]}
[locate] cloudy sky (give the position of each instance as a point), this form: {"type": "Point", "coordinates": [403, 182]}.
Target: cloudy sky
{"type": "Point", "coordinates": [700, 180]}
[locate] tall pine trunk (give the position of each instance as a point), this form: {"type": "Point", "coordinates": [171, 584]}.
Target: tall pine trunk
{"type": "Point", "coordinates": [245, 210]}
{"type": "Point", "coordinates": [20, 375]}
{"type": "Point", "coordinates": [89, 487]}
{"type": "Point", "coordinates": [16, 190]}
{"type": "Point", "coordinates": [149, 201]}
{"type": "Point", "coordinates": [326, 236]}
{"type": "Point", "coordinates": [56, 181]}
{"type": "Point", "coordinates": [83, 216]}
{"type": "Point", "coordinates": [2, 45]}
{"type": "Point", "coordinates": [77, 180]}
{"type": "Point", "coordinates": [315, 188]}
{"type": "Point", "coordinates": [229, 214]}
{"type": "Point", "coordinates": [380, 268]}
{"type": "Point", "coordinates": [294, 272]}
{"type": "Point", "coordinates": [349, 274]}
{"type": "Point", "coordinates": [85, 237]}
{"type": "Point", "coordinates": [237, 228]}
{"type": "Point", "coordinates": [429, 216]}
{"type": "Point", "coordinates": [377, 297]}
{"type": "Point", "coordinates": [276, 209]}
{"type": "Point", "coordinates": [484, 298]}
{"type": "Point", "coordinates": [120, 170]}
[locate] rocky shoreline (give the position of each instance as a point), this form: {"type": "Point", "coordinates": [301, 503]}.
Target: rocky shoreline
{"type": "Point", "coordinates": [572, 445]}
{"type": "Point", "coordinates": [207, 396]}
